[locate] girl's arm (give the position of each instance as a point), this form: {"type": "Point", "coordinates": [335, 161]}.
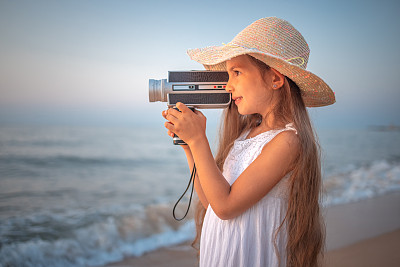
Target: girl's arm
{"type": "Point", "coordinates": [274, 162]}
{"type": "Point", "coordinates": [190, 161]}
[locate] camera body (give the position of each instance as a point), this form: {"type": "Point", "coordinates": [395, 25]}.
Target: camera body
{"type": "Point", "coordinates": [198, 89]}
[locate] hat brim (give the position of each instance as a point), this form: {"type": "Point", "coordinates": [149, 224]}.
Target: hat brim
{"type": "Point", "coordinates": [315, 92]}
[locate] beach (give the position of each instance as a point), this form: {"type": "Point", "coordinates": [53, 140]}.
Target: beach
{"type": "Point", "coordinates": [363, 233]}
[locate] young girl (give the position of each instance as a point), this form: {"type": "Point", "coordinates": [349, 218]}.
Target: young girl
{"type": "Point", "coordinates": [261, 192]}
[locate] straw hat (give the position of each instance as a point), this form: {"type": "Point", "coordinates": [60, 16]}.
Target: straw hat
{"type": "Point", "coordinates": [278, 44]}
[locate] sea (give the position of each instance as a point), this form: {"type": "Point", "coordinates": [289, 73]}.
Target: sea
{"type": "Point", "coordinates": [91, 195]}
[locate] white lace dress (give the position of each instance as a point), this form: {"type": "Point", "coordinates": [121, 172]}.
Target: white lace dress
{"type": "Point", "coordinates": [247, 240]}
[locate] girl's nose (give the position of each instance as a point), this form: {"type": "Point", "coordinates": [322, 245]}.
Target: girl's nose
{"type": "Point", "coordinates": [229, 87]}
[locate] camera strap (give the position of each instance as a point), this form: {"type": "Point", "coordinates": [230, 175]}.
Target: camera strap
{"type": "Point", "coordinates": [191, 181]}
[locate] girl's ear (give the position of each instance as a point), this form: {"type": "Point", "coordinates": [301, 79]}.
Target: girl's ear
{"type": "Point", "coordinates": [277, 79]}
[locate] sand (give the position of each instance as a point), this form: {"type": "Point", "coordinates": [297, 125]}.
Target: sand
{"type": "Point", "coordinates": [378, 251]}
{"type": "Point", "coordinates": [364, 233]}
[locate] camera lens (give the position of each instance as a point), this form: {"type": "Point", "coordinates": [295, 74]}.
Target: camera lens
{"type": "Point", "coordinates": [155, 93]}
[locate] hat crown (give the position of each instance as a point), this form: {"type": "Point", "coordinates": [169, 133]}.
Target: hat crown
{"type": "Point", "coordinates": [276, 37]}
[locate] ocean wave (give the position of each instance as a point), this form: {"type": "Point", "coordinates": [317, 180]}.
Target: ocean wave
{"type": "Point", "coordinates": [81, 239]}
{"type": "Point", "coordinates": [360, 182]}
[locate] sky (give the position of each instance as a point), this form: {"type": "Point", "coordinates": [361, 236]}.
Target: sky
{"type": "Point", "coordinates": [91, 60]}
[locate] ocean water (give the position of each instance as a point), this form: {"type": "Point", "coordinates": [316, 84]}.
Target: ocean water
{"type": "Point", "coordinates": [87, 196]}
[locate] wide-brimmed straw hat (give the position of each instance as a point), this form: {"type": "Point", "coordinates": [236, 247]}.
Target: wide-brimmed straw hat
{"type": "Point", "coordinates": [278, 44]}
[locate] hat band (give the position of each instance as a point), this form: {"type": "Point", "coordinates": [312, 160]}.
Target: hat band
{"type": "Point", "coordinates": [233, 45]}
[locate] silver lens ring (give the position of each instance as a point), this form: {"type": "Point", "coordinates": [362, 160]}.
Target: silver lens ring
{"type": "Point", "coordinates": [155, 90]}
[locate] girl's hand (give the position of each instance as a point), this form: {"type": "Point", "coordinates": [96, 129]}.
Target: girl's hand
{"type": "Point", "coordinates": [188, 125]}
{"type": "Point", "coordinates": [164, 114]}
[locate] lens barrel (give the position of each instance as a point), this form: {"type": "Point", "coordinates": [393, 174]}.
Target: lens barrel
{"type": "Point", "coordinates": [155, 92]}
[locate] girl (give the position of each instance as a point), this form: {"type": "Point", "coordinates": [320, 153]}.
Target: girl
{"type": "Point", "coordinates": [261, 192]}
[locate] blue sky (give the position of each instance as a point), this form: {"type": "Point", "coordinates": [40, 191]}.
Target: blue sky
{"type": "Point", "coordinates": [92, 59]}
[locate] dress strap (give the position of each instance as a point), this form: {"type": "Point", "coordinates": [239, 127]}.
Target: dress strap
{"type": "Point", "coordinates": [290, 127]}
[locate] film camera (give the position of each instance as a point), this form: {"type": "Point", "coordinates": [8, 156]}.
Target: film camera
{"type": "Point", "coordinates": [196, 89]}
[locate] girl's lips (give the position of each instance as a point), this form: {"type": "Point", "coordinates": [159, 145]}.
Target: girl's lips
{"type": "Point", "coordinates": [238, 100]}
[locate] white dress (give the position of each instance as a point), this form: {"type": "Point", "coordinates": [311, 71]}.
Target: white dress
{"type": "Point", "coordinates": [247, 240]}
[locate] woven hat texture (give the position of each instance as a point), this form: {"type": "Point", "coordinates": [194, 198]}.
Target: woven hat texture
{"type": "Point", "coordinates": [278, 44]}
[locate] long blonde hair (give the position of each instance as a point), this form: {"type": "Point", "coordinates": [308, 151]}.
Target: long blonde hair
{"type": "Point", "coordinates": [303, 221]}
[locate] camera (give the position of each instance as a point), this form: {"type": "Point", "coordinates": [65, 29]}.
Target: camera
{"type": "Point", "coordinates": [197, 89]}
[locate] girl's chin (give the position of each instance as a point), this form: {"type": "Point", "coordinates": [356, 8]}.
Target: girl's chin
{"type": "Point", "coordinates": [244, 112]}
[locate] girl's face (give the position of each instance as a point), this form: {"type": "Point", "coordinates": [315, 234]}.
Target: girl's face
{"type": "Point", "coordinates": [251, 91]}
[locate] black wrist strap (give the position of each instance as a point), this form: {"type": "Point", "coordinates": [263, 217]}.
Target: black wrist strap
{"type": "Point", "coordinates": [192, 177]}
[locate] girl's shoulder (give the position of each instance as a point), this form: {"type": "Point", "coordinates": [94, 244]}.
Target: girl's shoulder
{"type": "Point", "coordinates": [287, 136]}
{"type": "Point", "coordinates": [285, 143]}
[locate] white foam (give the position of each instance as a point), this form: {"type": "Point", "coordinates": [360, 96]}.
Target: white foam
{"type": "Point", "coordinates": [378, 178]}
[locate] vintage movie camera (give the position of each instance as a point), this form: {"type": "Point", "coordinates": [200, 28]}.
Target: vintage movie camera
{"type": "Point", "coordinates": [196, 89]}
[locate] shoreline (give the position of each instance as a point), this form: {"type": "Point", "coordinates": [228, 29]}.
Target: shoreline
{"type": "Point", "coordinates": [357, 233]}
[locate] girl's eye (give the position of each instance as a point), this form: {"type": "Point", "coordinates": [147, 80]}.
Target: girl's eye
{"type": "Point", "coordinates": [237, 73]}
